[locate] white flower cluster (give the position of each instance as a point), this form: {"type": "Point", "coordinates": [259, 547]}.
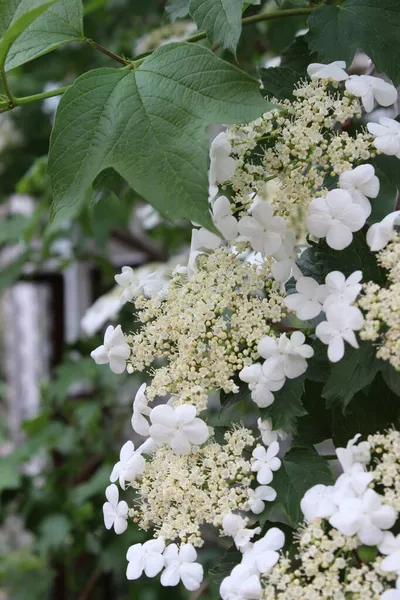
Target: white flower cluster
{"type": "Point", "coordinates": [341, 521]}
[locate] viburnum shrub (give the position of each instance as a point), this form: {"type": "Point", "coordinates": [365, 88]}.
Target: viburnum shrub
{"type": "Point", "coordinates": [288, 306]}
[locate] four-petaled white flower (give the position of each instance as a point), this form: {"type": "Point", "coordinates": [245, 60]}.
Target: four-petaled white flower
{"type": "Point", "coordinates": [131, 465]}
{"type": "Point", "coordinates": [285, 258]}
{"type": "Point", "coordinates": [140, 408]}
{"type": "Point", "coordinates": [318, 502]}
{"type": "Point", "coordinates": [370, 88]}
{"type": "Point", "coordinates": [334, 71]}
{"type": "Point", "coordinates": [115, 350]}
{"type": "Point", "coordinates": [268, 434]}
{"type": "Point", "coordinates": [263, 554]}
{"type": "Point", "coordinates": [342, 321]}
{"type": "Point", "coordinates": [222, 165]}
{"type": "Point", "coordinates": [114, 512]}
{"type": "Point", "coordinates": [257, 498]}
{"type": "Point", "coordinates": [335, 217]}
{"type": "Point", "coordinates": [380, 234]}
{"type": "Point", "coordinates": [285, 357]}
{"type": "Point", "coordinates": [241, 585]}
{"type": "Point", "coordinates": [390, 545]}
{"type": "Point", "coordinates": [178, 427]}
{"type": "Point", "coordinates": [387, 136]}
{"type": "Point", "coordinates": [364, 516]}
{"type": "Point", "coordinates": [339, 289]}
{"type": "Point", "coordinates": [308, 299]}
{"type": "Point", "coordinates": [181, 565]}
{"type": "Point", "coordinates": [361, 183]}
{"type": "Point", "coordinates": [262, 229]}
{"type": "Point", "coordinates": [235, 526]}
{"type": "Point", "coordinates": [265, 462]}
{"type": "Point", "coordinates": [261, 387]}
{"type": "Point", "coordinates": [139, 282]}
{"type": "Point", "coordinates": [223, 218]}
{"type": "Point", "coordinates": [147, 557]}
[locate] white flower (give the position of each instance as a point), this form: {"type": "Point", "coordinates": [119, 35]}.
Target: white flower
{"type": "Point", "coordinates": [340, 289]}
{"type": "Point", "coordinates": [387, 136]}
{"type": "Point", "coordinates": [354, 453]}
{"type": "Point", "coordinates": [308, 300]}
{"type": "Point", "coordinates": [362, 183]}
{"type": "Point", "coordinates": [318, 502]}
{"type": "Point", "coordinates": [263, 554]}
{"type": "Point", "coordinates": [180, 565]}
{"type": "Point", "coordinates": [262, 229]}
{"type": "Point", "coordinates": [285, 258]}
{"type": "Point", "coordinates": [115, 350]}
{"type": "Point", "coordinates": [285, 357]}
{"type": "Point", "coordinates": [139, 282]}
{"type": "Point", "coordinates": [391, 594]}
{"type": "Point", "coordinates": [268, 435]}
{"type": "Point", "coordinates": [240, 585]}
{"type": "Point", "coordinates": [223, 218]}
{"type": "Point", "coordinates": [334, 71]}
{"type": "Point", "coordinates": [371, 88]}
{"type": "Point", "coordinates": [389, 545]}
{"type": "Point", "coordinates": [335, 217]}
{"type": "Point", "coordinates": [364, 516]}
{"type": "Point", "coordinates": [342, 321]}
{"type": "Point", "coordinates": [380, 234]}
{"type": "Point", "coordinates": [353, 482]}
{"type": "Point", "coordinates": [140, 408]}
{"type": "Point", "coordinates": [204, 239]}
{"type": "Point", "coordinates": [114, 512]}
{"type": "Point", "coordinates": [178, 427]}
{"type": "Point", "coordinates": [222, 165]}
{"type": "Point", "coordinates": [265, 462]}
{"type": "Point", "coordinates": [130, 465]}
{"type": "Point", "coordinates": [261, 387]}
{"type": "Point", "coordinates": [145, 557]}
{"type": "Point", "coordinates": [235, 526]}
{"type": "Point", "coordinates": [102, 310]}
{"type": "Point", "coordinates": [257, 498]}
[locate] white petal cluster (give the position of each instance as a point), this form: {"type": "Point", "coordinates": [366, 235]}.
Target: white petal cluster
{"type": "Point", "coordinates": [362, 184]}
{"type": "Point", "coordinates": [223, 218]}
{"type": "Point", "coordinates": [140, 282]}
{"type": "Point", "coordinates": [263, 230]}
{"type": "Point", "coordinates": [371, 90]}
{"type": "Point", "coordinates": [131, 465]}
{"type": "Point", "coordinates": [334, 71]}
{"type": "Point", "coordinates": [115, 513]}
{"type": "Point", "coordinates": [236, 527]}
{"type": "Point", "coordinates": [178, 427]}
{"type": "Point", "coordinates": [114, 351]}
{"type": "Point", "coordinates": [387, 136]}
{"type": "Point", "coordinates": [380, 234]}
{"type": "Point", "coordinates": [222, 165]}
{"type": "Point", "coordinates": [266, 462]}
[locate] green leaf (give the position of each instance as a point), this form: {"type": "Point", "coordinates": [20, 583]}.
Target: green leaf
{"type": "Point", "coordinates": [319, 260]}
{"type": "Point", "coordinates": [13, 270]}
{"type": "Point", "coordinates": [386, 169]}
{"type": "Point", "coordinates": [231, 558]}
{"type": "Point", "coordinates": [60, 23]}
{"type": "Point", "coordinates": [279, 82]}
{"type": "Point", "coordinates": [301, 469]}
{"type": "Point", "coordinates": [287, 406]}
{"type": "Point", "coordinates": [15, 17]}
{"type": "Point", "coordinates": [391, 377]}
{"type": "Point", "coordinates": [220, 19]}
{"type": "Point", "coordinates": [96, 485]}
{"type": "Point", "coordinates": [297, 56]}
{"type": "Point", "coordinates": [149, 125]}
{"type": "Point", "coordinates": [336, 32]}
{"type": "Point", "coordinates": [9, 475]}
{"type": "Point", "coordinates": [318, 366]}
{"type": "Point", "coordinates": [354, 372]}
{"type": "Point", "coordinates": [177, 9]}
{"type": "Point", "coordinates": [227, 400]}
{"type": "Point", "coordinates": [54, 531]}
{"type": "Point", "coordinates": [316, 426]}
{"type": "Point", "coordinates": [13, 228]}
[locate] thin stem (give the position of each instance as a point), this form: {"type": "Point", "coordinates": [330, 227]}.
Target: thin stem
{"type": "Point", "coordinates": [277, 14]}
{"type": "Point", "coordinates": [42, 96]}
{"type": "Point", "coordinates": [7, 90]}
{"type": "Point", "coordinates": [112, 55]}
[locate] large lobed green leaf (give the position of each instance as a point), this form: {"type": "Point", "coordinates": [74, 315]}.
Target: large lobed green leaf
{"type": "Point", "coordinates": [220, 19]}
{"type": "Point", "coordinates": [336, 32]}
{"type": "Point", "coordinates": [150, 126]}
{"type": "Point", "coordinates": [59, 23]}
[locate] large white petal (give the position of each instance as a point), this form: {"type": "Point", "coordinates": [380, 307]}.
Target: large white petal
{"type": "Point", "coordinates": [339, 236]}
{"type": "Point", "coordinates": [196, 431]}
{"type": "Point", "coordinates": [185, 414]}
{"type": "Point", "coordinates": [191, 576]}
{"type": "Point", "coordinates": [170, 576]}
{"type": "Point", "coordinates": [336, 349]}
{"type": "Point", "coordinates": [163, 415]}
{"type": "Point", "coordinates": [180, 444]}
{"type": "Point", "coordinates": [154, 564]}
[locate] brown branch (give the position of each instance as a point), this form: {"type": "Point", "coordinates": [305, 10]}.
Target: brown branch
{"type": "Point", "coordinates": [112, 55]}
{"type": "Point", "coordinates": [88, 589]}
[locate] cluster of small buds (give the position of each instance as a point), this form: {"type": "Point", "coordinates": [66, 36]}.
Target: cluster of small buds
{"type": "Point", "coordinates": [207, 327]}
{"type": "Point", "coordinates": [176, 495]}
{"type": "Point", "coordinates": [381, 306]}
{"type": "Point", "coordinates": [385, 451]}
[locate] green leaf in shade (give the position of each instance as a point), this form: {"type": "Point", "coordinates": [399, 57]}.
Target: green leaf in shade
{"type": "Point", "coordinates": [279, 82]}
{"type": "Point", "coordinates": [10, 273]}
{"type": "Point", "coordinates": [220, 19]}
{"type": "Point", "coordinates": [316, 425]}
{"type": "Point", "coordinates": [376, 408]}
{"type": "Point", "coordinates": [15, 17]}
{"type": "Point", "coordinates": [297, 56]}
{"type": "Point", "coordinates": [301, 469]}
{"type": "Point", "coordinates": [150, 126]}
{"type": "Point", "coordinates": [9, 475]}
{"type": "Point", "coordinates": [53, 531]}
{"type": "Point", "coordinates": [287, 406]}
{"type": "Point", "coordinates": [336, 32]}
{"type": "Point", "coordinates": [319, 260]}
{"type": "Point", "coordinates": [355, 371]}
{"type": "Point", "coordinates": [177, 9]}
{"type": "Point", "coordinates": [60, 23]}
{"type": "Point", "coordinates": [388, 172]}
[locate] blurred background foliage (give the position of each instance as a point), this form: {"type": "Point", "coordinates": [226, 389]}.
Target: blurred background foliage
{"type": "Point", "coordinates": [54, 468]}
